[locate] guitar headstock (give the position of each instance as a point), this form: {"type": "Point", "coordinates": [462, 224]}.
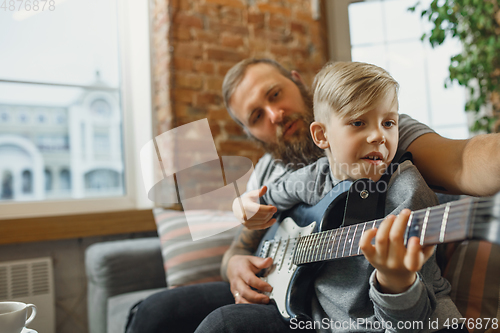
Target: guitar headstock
{"type": "Point", "coordinates": [487, 219]}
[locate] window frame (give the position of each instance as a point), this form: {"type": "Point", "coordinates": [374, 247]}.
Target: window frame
{"type": "Point", "coordinates": [134, 36]}
{"type": "Point", "coordinates": [339, 36]}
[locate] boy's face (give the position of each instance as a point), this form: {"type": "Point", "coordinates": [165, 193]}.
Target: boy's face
{"type": "Point", "coordinates": [363, 147]}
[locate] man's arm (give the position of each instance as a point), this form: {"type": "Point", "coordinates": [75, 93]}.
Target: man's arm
{"type": "Point", "coordinates": [459, 166]}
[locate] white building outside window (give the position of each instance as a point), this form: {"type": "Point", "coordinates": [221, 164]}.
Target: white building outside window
{"type": "Point", "coordinates": [66, 107]}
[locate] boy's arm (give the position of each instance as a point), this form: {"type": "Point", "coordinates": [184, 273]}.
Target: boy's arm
{"type": "Point", "coordinates": [459, 166]}
{"type": "Point", "coordinates": [306, 185]}
{"type": "Point", "coordinates": [255, 209]}
{"type": "Point", "coordinates": [248, 210]}
{"type": "Point", "coordinates": [415, 296]}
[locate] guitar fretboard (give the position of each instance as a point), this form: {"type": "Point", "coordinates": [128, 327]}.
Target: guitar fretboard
{"type": "Point", "coordinates": [441, 224]}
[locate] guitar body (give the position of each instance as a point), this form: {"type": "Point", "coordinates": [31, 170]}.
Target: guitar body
{"type": "Point", "coordinates": [292, 284]}
{"type": "Point", "coordinates": [289, 289]}
{"type": "Point", "coordinates": [302, 240]}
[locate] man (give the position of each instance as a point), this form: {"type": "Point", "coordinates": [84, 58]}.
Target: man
{"type": "Point", "coordinates": [274, 108]}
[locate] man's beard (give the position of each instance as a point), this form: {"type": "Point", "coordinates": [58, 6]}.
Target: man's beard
{"type": "Point", "coordinates": [297, 151]}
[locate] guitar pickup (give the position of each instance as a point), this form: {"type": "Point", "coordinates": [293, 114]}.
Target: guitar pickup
{"type": "Point", "coordinates": [282, 254]}
{"type": "Point", "coordinates": [264, 252]}
{"type": "Point", "coordinates": [274, 248]}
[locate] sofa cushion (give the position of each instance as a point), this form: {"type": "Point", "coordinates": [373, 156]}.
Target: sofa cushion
{"type": "Point", "coordinates": [187, 261]}
{"type": "Point", "coordinates": [473, 269]}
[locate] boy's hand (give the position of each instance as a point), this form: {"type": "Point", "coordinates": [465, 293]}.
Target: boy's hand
{"type": "Point", "coordinates": [396, 264]}
{"type": "Point", "coordinates": [251, 213]}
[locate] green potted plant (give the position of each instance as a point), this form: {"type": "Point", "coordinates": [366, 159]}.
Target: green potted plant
{"type": "Point", "coordinates": [476, 23]}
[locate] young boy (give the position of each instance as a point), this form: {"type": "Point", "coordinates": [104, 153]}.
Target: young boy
{"type": "Point", "coordinates": [356, 115]}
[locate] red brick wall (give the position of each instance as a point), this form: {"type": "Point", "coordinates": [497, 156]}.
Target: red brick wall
{"type": "Point", "coordinates": [195, 42]}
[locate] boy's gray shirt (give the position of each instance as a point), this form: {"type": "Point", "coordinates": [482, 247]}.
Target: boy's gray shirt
{"type": "Point", "coordinates": [346, 289]}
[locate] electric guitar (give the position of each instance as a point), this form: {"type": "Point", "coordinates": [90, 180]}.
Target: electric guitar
{"type": "Point", "coordinates": [306, 237]}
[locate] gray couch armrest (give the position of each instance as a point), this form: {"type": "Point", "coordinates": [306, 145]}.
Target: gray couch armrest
{"type": "Point", "coordinates": [118, 267]}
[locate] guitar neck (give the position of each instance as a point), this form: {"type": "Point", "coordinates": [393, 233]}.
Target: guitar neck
{"type": "Point", "coordinates": [440, 224]}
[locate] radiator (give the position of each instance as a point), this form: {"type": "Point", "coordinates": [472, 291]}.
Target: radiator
{"type": "Point", "coordinates": [31, 281]}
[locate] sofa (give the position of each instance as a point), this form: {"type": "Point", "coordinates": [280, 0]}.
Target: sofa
{"type": "Point", "coordinates": [116, 280]}
{"type": "Point", "coordinates": [122, 273]}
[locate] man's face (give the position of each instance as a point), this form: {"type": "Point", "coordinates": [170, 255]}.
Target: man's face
{"type": "Point", "coordinates": [273, 110]}
{"type": "Point", "coordinates": [264, 99]}
{"type": "Point", "coordinates": [363, 147]}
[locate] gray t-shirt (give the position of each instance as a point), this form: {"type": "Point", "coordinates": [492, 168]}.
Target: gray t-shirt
{"type": "Point", "coordinates": [343, 295]}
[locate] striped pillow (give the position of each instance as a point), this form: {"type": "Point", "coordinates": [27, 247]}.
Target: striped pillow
{"type": "Point", "coordinates": [187, 261]}
{"type": "Point", "coordinates": [473, 269]}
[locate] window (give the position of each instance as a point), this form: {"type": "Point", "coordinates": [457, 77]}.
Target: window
{"type": "Point", "coordinates": [81, 80]}
{"type": "Point", "coordinates": [385, 33]}
{"type": "Point", "coordinates": [65, 180]}
{"type": "Point", "coordinates": [100, 108]}
{"type": "Point", "coordinates": [7, 186]}
{"type": "Point", "coordinates": [27, 182]}
{"type": "Point", "coordinates": [102, 180]}
{"type": "Point", "coordinates": [42, 118]}
{"type": "Point", "coordinates": [89, 87]}
{"type": "Point", "coordinates": [60, 118]}
{"type": "Point", "coordinates": [4, 115]}
{"type": "Point", "coordinates": [23, 117]}
{"type": "Point", "coordinates": [48, 181]}
{"type": "Point", "coordinates": [101, 143]}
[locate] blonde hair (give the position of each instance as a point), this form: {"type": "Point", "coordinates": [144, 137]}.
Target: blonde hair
{"type": "Point", "coordinates": [350, 89]}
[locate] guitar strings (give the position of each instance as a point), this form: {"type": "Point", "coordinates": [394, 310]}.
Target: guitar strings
{"type": "Point", "coordinates": [314, 253]}
{"type": "Point", "coordinates": [432, 220]}
{"type": "Point", "coordinates": [326, 240]}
